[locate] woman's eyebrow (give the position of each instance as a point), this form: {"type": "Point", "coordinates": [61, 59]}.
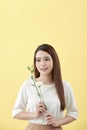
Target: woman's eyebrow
{"type": "Point", "coordinates": [38, 57]}
{"type": "Point", "coordinates": [43, 57]}
{"type": "Point", "coordinates": [47, 57]}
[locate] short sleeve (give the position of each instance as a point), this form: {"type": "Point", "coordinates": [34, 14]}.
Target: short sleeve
{"type": "Point", "coordinates": [71, 109]}
{"type": "Point", "coordinates": [21, 100]}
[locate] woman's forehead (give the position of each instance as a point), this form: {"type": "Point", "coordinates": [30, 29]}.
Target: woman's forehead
{"type": "Point", "coordinates": [42, 54]}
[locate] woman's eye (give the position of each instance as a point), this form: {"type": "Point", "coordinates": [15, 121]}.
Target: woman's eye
{"type": "Point", "coordinates": [47, 59]}
{"type": "Point", "coordinates": [37, 60]}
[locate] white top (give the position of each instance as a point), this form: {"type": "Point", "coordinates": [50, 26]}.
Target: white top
{"type": "Point", "coordinates": [27, 99]}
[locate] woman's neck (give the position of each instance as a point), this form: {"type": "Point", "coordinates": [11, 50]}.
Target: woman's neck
{"type": "Point", "coordinates": [45, 79]}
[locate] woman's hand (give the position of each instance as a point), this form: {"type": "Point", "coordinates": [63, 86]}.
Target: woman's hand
{"type": "Point", "coordinates": [40, 109]}
{"type": "Point", "coordinates": [51, 120]}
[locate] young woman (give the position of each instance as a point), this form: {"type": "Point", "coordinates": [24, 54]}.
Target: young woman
{"type": "Point", "coordinates": [57, 94]}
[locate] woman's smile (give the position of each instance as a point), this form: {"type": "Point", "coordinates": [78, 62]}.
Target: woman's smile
{"type": "Point", "coordinates": [43, 69]}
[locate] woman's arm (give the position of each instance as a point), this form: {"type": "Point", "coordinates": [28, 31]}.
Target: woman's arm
{"type": "Point", "coordinates": [66, 120]}
{"type": "Point", "coordinates": [40, 109]}
{"type": "Point", "coordinates": [51, 120]}
{"type": "Point", "coordinates": [24, 115]}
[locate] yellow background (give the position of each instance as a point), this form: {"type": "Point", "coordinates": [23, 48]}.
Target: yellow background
{"type": "Point", "coordinates": [25, 24]}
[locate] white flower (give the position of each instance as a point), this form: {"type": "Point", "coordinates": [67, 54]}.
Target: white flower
{"type": "Point", "coordinates": [37, 86]}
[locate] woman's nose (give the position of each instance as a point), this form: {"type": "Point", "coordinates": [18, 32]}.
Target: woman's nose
{"type": "Point", "coordinates": [42, 62]}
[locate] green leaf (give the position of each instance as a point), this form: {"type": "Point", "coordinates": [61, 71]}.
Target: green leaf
{"type": "Point", "coordinates": [38, 94]}
{"type": "Point", "coordinates": [32, 70]}
{"type": "Point", "coordinates": [31, 76]}
{"type": "Point", "coordinates": [29, 68]}
{"type": "Point", "coordinates": [39, 86]}
{"type": "Point", "coordinates": [33, 85]}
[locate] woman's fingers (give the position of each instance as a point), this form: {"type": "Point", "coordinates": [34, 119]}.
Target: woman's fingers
{"type": "Point", "coordinates": [41, 109]}
{"type": "Point", "coordinates": [40, 106]}
{"type": "Point", "coordinates": [50, 119]}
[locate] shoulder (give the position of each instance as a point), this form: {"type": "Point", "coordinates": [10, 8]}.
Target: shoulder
{"type": "Point", "coordinates": [26, 84]}
{"type": "Point", "coordinates": [67, 86]}
{"type": "Point", "coordinates": [66, 83]}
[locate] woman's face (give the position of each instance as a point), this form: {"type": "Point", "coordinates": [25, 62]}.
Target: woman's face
{"type": "Point", "coordinates": [44, 62]}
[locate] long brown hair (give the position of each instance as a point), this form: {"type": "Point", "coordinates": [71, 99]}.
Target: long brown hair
{"type": "Point", "coordinates": [56, 72]}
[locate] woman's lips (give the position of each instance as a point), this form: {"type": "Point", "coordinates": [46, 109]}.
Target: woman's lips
{"type": "Point", "coordinates": [43, 69]}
